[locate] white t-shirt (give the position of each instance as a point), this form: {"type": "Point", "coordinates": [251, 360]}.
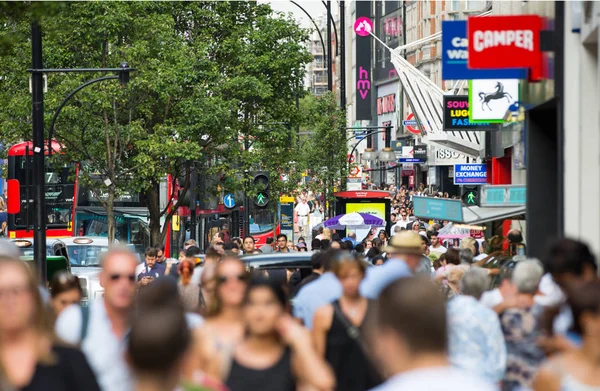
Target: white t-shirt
{"type": "Point", "coordinates": [302, 209]}
{"type": "Point", "coordinates": [439, 250]}
{"type": "Point", "coordinates": [435, 379]}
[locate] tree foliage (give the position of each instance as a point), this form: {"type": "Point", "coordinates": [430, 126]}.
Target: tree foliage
{"type": "Point", "coordinates": [210, 77]}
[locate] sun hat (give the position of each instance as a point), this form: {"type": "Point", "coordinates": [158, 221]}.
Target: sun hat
{"type": "Point", "coordinates": [405, 242]}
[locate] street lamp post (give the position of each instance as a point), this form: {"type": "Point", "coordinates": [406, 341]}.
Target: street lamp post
{"type": "Point", "coordinates": [39, 176]}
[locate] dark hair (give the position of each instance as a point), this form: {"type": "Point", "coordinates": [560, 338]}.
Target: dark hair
{"type": "Point", "coordinates": [269, 240]}
{"type": "Point", "coordinates": [415, 310]}
{"type": "Point", "coordinates": [425, 239]}
{"type": "Point", "coordinates": [192, 251]}
{"type": "Point", "coordinates": [568, 256]}
{"type": "Point", "coordinates": [583, 297]}
{"type": "Point", "coordinates": [452, 256]}
{"type": "Point", "coordinates": [434, 233]}
{"type": "Point", "coordinates": [301, 238]}
{"type": "Point", "coordinates": [158, 348]}
{"type": "Point", "coordinates": [373, 252]}
{"type": "Point", "coordinates": [515, 236]}
{"type": "Point", "coordinates": [282, 236]}
{"type": "Point", "coordinates": [317, 259]}
{"type": "Point", "coordinates": [377, 258]}
{"type": "Point", "coordinates": [160, 247]}
{"type": "Point", "coordinates": [325, 244]}
{"type": "Point", "coordinates": [275, 288]}
{"type": "Point", "coordinates": [377, 243]}
{"type": "Point", "coordinates": [151, 252]}
{"type": "Point", "coordinates": [248, 237]}
{"type": "Point", "coordinates": [221, 235]}
{"type": "Point", "coordinates": [230, 246]}
{"type": "Point", "coordinates": [62, 282]}
{"type": "Point", "coordinates": [315, 244]}
{"type": "Point", "coordinates": [335, 237]}
{"type": "Point", "coordinates": [211, 252]}
{"type": "Point", "coordinates": [360, 248]}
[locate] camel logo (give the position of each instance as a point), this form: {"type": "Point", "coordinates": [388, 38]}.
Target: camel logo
{"type": "Point", "coordinates": [499, 93]}
{"type": "Point", "coordinates": [363, 85]}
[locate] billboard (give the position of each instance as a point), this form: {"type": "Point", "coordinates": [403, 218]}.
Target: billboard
{"type": "Point", "coordinates": [455, 55]}
{"type": "Point", "coordinates": [508, 41]}
{"type": "Point", "coordinates": [364, 77]}
{"type": "Point", "coordinates": [470, 174]}
{"type": "Point", "coordinates": [490, 99]}
{"type": "Point", "coordinates": [457, 113]}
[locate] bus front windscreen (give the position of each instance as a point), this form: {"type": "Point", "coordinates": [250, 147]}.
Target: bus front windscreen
{"type": "Point", "coordinates": [59, 192]}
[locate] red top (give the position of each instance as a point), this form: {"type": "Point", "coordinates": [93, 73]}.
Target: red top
{"type": "Point", "coordinates": [19, 149]}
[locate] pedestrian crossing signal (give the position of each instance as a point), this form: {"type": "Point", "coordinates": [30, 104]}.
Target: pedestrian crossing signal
{"type": "Point", "coordinates": [470, 196]}
{"type": "Point", "coordinates": [261, 183]}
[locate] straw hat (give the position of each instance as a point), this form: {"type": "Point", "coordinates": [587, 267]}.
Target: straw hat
{"type": "Point", "coordinates": [405, 242]}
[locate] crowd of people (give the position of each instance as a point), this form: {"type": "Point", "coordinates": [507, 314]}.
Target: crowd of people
{"type": "Point", "coordinates": [388, 322]}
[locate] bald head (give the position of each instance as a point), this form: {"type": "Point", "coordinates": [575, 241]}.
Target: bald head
{"type": "Point", "coordinates": [118, 278]}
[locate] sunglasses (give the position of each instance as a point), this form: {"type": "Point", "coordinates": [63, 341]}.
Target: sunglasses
{"type": "Point", "coordinates": [116, 277]}
{"type": "Point", "coordinates": [224, 279]}
{"type": "Point", "coordinates": [219, 244]}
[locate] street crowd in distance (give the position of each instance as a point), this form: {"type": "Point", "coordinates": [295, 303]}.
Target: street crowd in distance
{"type": "Point", "coordinates": [404, 312]}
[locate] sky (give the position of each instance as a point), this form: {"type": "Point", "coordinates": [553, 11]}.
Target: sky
{"type": "Point", "coordinates": [313, 7]}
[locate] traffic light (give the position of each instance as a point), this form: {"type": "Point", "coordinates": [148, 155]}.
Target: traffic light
{"type": "Point", "coordinates": [470, 195]}
{"type": "Point", "coordinates": [260, 183]}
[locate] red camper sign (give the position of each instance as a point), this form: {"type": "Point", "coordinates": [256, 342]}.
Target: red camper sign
{"type": "Point", "coordinates": [498, 42]}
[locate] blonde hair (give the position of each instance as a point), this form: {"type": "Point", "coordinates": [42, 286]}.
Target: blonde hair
{"type": "Point", "coordinates": [326, 233]}
{"type": "Point", "coordinates": [469, 244]}
{"type": "Point", "coordinates": [42, 319]}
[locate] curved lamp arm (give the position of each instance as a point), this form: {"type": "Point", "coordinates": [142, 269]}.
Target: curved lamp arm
{"type": "Point", "coordinates": [64, 102]}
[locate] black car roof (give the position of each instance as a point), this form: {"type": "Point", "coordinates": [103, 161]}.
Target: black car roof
{"type": "Point", "coordinates": [278, 260]}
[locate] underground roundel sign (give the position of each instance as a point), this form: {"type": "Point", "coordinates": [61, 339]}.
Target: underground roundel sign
{"type": "Point", "coordinates": [411, 124]}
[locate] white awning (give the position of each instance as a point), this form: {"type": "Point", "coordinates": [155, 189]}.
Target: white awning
{"type": "Point", "coordinates": [426, 100]}
{"type": "Point", "coordinates": [480, 215]}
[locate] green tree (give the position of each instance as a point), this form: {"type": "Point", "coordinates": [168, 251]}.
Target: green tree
{"type": "Point", "coordinates": [324, 152]}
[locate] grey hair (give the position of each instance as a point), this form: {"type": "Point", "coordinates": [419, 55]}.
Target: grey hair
{"type": "Point", "coordinates": [475, 281]}
{"type": "Point", "coordinates": [527, 276]}
{"type": "Point", "coordinates": [397, 229]}
{"type": "Point", "coordinates": [8, 249]}
{"type": "Point", "coordinates": [466, 256]}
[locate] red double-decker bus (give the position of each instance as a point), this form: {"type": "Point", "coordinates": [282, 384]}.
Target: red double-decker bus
{"type": "Point", "coordinates": [60, 193]}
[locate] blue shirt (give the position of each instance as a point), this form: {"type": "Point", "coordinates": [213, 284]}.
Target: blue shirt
{"type": "Point", "coordinates": [379, 277]}
{"type": "Point", "coordinates": [156, 271]}
{"type": "Point", "coordinates": [475, 340]}
{"type": "Point", "coordinates": [324, 290]}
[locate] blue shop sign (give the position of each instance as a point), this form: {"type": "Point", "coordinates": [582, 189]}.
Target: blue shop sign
{"type": "Point", "coordinates": [470, 174]}
{"type": "Point", "coordinates": [438, 209]}
{"type": "Point", "coordinates": [455, 57]}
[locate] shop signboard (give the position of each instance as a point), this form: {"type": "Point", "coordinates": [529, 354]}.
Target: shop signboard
{"type": "Point", "coordinates": [438, 209]}
{"type": "Point", "coordinates": [490, 99]}
{"type": "Point", "coordinates": [363, 46]}
{"type": "Point", "coordinates": [456, 116]}
{"type": "Point", "coordinates": [507, 41]}
{"type": "Point", "coordinates": [455, 56]}
{"type": "Point", "coordinates": [470, 174]}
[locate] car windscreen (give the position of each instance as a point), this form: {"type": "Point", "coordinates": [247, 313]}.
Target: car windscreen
{"type": "Point", "coordinates": [85, 255]}
{"type": "Point", "coordinates": [29, 251]}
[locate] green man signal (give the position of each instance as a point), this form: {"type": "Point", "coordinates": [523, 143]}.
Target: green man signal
{"type": "Point", "coordinates": [470, 196]}
{"type": "Point", "coordinates": [262, 199]}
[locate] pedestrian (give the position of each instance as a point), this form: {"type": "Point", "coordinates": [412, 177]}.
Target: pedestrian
{"type": "Point", "coordinates": [452, 287]}
{"type": "Point", "coordinates": [316, 214]}
{"type": "Point", "coordinates": [65, 290]}
{"type": "Point", "coordinates": [223, 327]}
{"type": "Point", "coordinates": [189, 292]}
{"type": "Point", "coordinates": [378, 260]}
{"type": "Point", "coordinates": [268, 247]}
{"type": "Point", "coordinates": [318, 268]}
{"type": "Point", "coordinates": [276, 352]}
{"type": "Point", "coordinates": [577, 369]}
{"type": "Point", "coordinates": [321, 291]}
{"type": "Point", "coordinates": [303, 210]}
{"type": "Point", "coordinates": [436, 246]}
{"type": "Point", "coordinates": [475, 340]}
{"type": "Point", "coordinates": [337, 329]}
{"type": "Point", "coordinates": [521, 326]}
{"type": "Point", "coordinates": [101, 329]}
{"type": "Point", "coordinates": [410, 341]}
{"type": "Point", "coordinates": [315, 245]}
{"type": "Point", "coordinates": [152, 270]}
{"type": "Point", "coordinates": [157, 346]}
{"type": "Point", "coordinates": [189, 243]}
{"type": "Point", "coordinates": [192, 254]}
{"type": "Point", "coordinates": [404, 256]}
{"type": "Point", "coordinates": [383, 236]}
{"type": "Point", "coordinates": [282, 243]}
{"type": "Point", "coordinates": [249, 245]}
{"type": "Point", "coordinates": [448, 260]}
{"type": "Point", "coordinates": [31, 358]}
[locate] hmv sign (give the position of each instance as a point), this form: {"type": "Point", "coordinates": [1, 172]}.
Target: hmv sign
{"type": "Point", "coordinates": [364, 79]}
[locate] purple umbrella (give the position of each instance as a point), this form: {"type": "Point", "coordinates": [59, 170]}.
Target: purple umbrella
{"type": "Point", "coordinates": [354, 221]}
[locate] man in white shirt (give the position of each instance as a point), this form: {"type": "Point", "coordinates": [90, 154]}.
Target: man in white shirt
{"type": "Point", "coordinates": [402, 221]}
{"type": "Point", "coordinates": [303, 210]}
{"type": "Point", "coordinates": [411, 343]}
{"type": "Point", "coordinates": [436, 246]}
{"type": "Point", "coordinates": [102, 328]}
